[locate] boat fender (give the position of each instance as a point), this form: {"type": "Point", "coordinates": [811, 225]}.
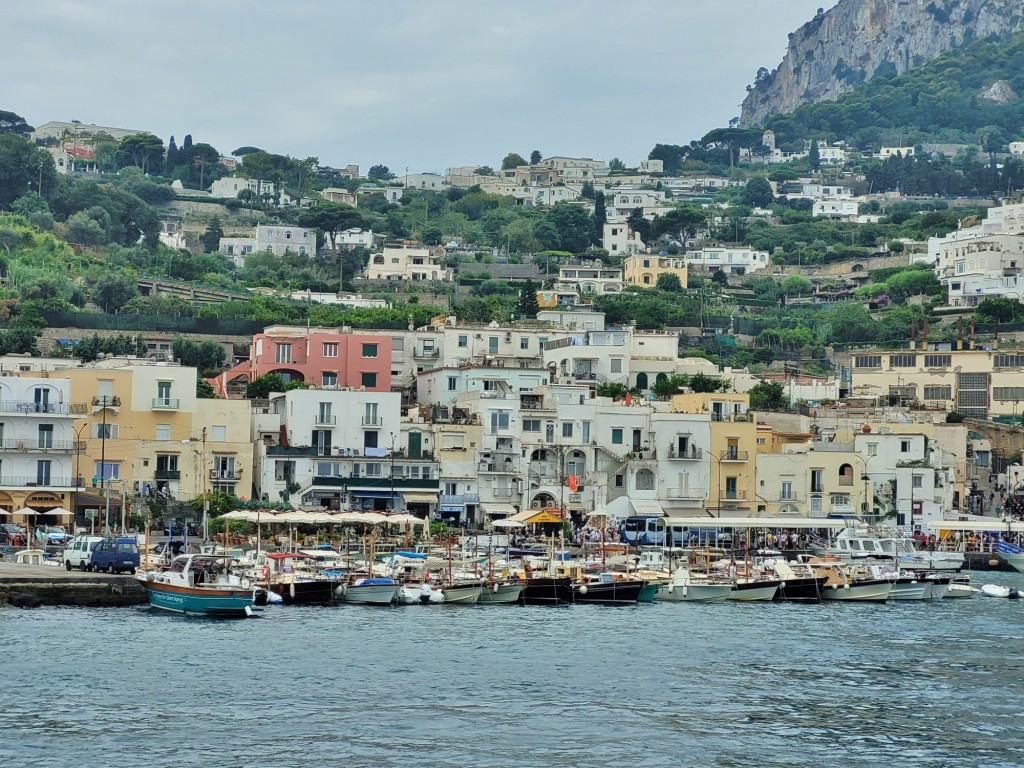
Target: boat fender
{"type": "Point", "coordinates": [782, 585]}
{"type": "Point", "coordinates": [1014, 594]}
{"type": "Point", "coordinates": [291, 590]}
{"type": "Point", "coordinates": [846, 586]}
{"type": "Point", "coordinates": [494, 589]}
{"type": "Point", "coordinates": [685, 590]}
{"type": "Point", "coordinates": [266, 572]}
{"type": "Point", "coordinates": [583, 589]}
{"type": "Point", "coordinates": [246, 584]}
{"type": "Point", "coordinates": [835, 586]}
{"type": "Point", "coordinates": [248, 611]}
{"type": "Point", "coordinates": [672, 588]}
{"type": "Point", "coordinates": [993, 563]}
{"type": "Point", "coordinates": [150, 577]}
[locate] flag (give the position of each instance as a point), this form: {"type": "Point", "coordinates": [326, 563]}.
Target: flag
{"type": "Point", "coordinates": [574, 483]}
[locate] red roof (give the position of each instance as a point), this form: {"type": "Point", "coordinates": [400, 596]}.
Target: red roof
{"type": "Point", "coordinates": [85, 154]}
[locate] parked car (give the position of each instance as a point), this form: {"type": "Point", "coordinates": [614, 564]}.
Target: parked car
{"type": "Point", "coordinates": [78, 552]}
{"type": "Point", "coordinates": [52, 534]}
{"type": "Point", "coordinates": [180, 530]}
{"type": "Point", "coordinates": [11, 534]}
{"type": "Point", "coordinates": [114, 555]}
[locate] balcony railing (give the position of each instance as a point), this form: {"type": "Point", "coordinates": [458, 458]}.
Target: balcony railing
{"type": "Point", "coordinates": [498, 467]}
{"type": "Point", "coordinates": [224, 474]}
{"type": "Point", "coordinates": [53, 409]}
{"type": "Point", "coordinates": [106, 401]}
{"type": "Point", "coordinates": [789, 499]}
{"type": "Point", "coordinates": [54, 446]}
{"type": "Point", "coordinates": [323, 418]}
{"type": "Point", "coordinates": [685, 493]}
{"type": "Point", "coordinates": [167, 474]}
{"type": "Point", "coordinates": [372, 421]}
{"type": "Point", "coordinates": [737, 455]}
{"type": "Point", "coordinates": [35, 481]}
{"type": "Point", "coordinates": [692, 454]}
{"type": "Point", "coordinates": [734, 495]}
{"type": "Point", "coordinates": [427, 354]}
{"type": "Point", "coordinates": [166, 403]}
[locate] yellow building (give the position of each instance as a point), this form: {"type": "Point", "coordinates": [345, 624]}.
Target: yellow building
{"type": "Point", "coordinates": [643, 269]}
{"type": "Point", "coordinates": [733, 451]}
{"type": "Point", "coordinates": [814, 480]}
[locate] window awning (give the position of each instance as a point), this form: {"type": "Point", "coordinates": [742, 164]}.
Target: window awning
{"type": "Point", "coordinates": [647, 508]}
{"type": "Point", "coordinates": [371, 494]}
{"type": "Point", "coordinates": [419, 497]}
{"type": "Point", "coordinates": [498, 510]}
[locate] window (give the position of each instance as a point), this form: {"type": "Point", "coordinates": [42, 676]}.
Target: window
{"type": "Point", "coordinates": [524, 342]}
{"type": "Point", "coordinates": [499, 421]}
{"type": "Point", "coordinates": [450, 489]}
{"type": "Point", "coordinates": [586, 432]}
{"type": "Point", "coordinates": [110, 470]}
{"type": "Point", "coordinates": [934, 392]}
{"type": "Point", "coordinates": [369, 350]}
{"type": "Point", "coordinates": [368, 379]}
{"type": "Point", "coordinates": [453, 441]}
{"type": "Point", "coordinates": [846, 474]}
{"type": "Point", "coordinates": [1009, 361]}
{"type": "Point", "coordinates": [616, 365]}
{"type": "Point", "coordinates": [867, 361]}
{"type": "Point", "coordinates": [463, 341]}
{"type": "Point", "coordinates": [531, 425]}
{"type": "Point", "coordinates": [492, 345]}
{"type": "Point", "coordinates": [872, 449]}
{"type": "Point", "coordinates": [331, 349]}
{"type": "Point", "coordinates": [46, 435]}
{"type": "Point", "coordinates": [787, 491]}
{"type": "Point", "coordinates": [1008, 393]}
{"type": "Point", "coordinates": [916, 481]}
{"type": "Point", "coordinates": [817, 482]}
{"type": "Point", "coordinates": [43, 472]}
{"type": "Point", "coordinates": [961, 267]}
{"type": "Point", "coordinates": [617, 436]}
{"type": "Point", "coordinates": [219, 433]}
{"type": "Point", "coordinates": [839, 499]}
{"type": "Point", "coordinates": [374, 469]}
{"type": "Point", "coordinates": [938, 361]}
{"type": "Point", "coordinates": [106, 431]}
{"type": "Point", "coordinates": [453, 383]}
{"type": "Point", "coordinates": [283, 353]}
{"type": "Point", "coordinates": [397, 344]}
{"type": "Point", "coordinates": [163, 431]}
{"type": "Point", "coordinates": [329, 379]}
{"type": "Point", "coordinates": [902, 361]}
{"type": "Point", "coordinates": [566, 429]}
{"type": "Point", "coordinates": [904, 446]}
{"type": "Point", "coordinates": [618, 481]}
{"type": "Point", "coordinates": [371, 438]}
{"type": "Point", "coordinates": [163, 392]}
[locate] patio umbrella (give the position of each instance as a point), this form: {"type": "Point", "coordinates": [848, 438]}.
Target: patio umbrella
{"type": "Point", "coordinates": [26, 511]}
{"type": "Point", "coordinates": [506, 523]}
{"type": "Point", "coordinates": [407, 520]}
{"type": "Point", "coordinates": [59, 511]}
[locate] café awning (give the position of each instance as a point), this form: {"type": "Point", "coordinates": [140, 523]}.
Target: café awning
{"type": "Point", "coordinates": [498, 510]}
{"type": "Point", "coordinates": [419, 497]}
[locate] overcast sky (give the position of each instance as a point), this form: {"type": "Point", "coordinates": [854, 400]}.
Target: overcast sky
{"type": "Point", "coordinates": [423, 85]}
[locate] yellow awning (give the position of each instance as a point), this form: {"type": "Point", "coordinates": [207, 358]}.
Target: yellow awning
{"type": "Point", "coordinates": [419, 498]}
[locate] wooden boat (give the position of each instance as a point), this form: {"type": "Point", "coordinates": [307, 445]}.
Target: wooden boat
{"type": "Point", "coordinates": [799, 583]}
{"type": "Point", "coordinates": [607, 589]}
{"type": "Point", "coordinates": [683, 588]}
{"type": "Point", "coordinates": [546, 590]}
{"type": "Point", "coordinates": [462, 593]}
{"type": "Point", "coordinates": [201, 585]}
{"type": "Point", "coordinates": [850, 583]}
{"type": "Point", "coordinates": [501, 593]}
{"type": "Point", "coordinates": [370, 590]}
{"type": "Point", "coordinates": [294, 577]}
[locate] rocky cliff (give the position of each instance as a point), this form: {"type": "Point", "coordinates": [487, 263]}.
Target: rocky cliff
{"type": "Point", "coordinates": [858, 39]}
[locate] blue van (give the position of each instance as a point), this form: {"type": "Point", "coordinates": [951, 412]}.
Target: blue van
{"type": "Point", "coordinates": [114, 555]}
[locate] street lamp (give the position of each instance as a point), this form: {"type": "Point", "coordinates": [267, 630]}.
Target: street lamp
{"type": "Point", "coordinates": [79, 448]}
{"type": "Point", "coordinates": [391, 499]}
{"type": "Point", "coordinates": [868, 507]}
{"type": "Point", "coordinates": [718, 485]}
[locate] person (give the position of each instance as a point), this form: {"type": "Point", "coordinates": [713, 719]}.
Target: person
{"type": "Point", "coordinates": [425, 591]}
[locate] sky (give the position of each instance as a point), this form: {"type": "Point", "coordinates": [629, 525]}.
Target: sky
{"type": "Point", "coordinates": [417, 85]}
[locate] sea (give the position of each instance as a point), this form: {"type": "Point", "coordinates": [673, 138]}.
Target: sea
{"type": "Point", "coordinates": [665, 684]}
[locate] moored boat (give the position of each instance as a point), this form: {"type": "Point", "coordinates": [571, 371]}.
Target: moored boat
{"type": "Point", "coordinates": [799, 583]}
{"type": "Point", "coordinates": [754, 590]}
{"type": "Point", "coordinates": [462, 593]}
{"type": "Point", "coordinates": [377, 590]}
{"type": "Point", "coordinates": [607, 589]}
{"type": "Point", "coordinates": [683, 588]}
{"type": "Point", "coordinates": [547, 590]}
{"type": "Point", "coordinates": [500, 593]}
{"type": "Point", "coordinates": [851, 583]}
{"type": "Point", "coordinates": [961, 588]}
{"type": "Point", "coordinates": [294, 577]}
{"type": "Point", "coordinates": [200, 585]}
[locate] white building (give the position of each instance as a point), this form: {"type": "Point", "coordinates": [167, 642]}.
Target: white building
{"type": "Point", "coordinates": [619, 238]}
{"type": "Point", "coordinates": [408, 262]}
{"type": "Point", "coordinates": [432, 181]}
{"type": "Point", "coordinates": [835, 208]}
{"type": "Point", "coordinates": [730, 260]}
{"type": "Point", "coordinates": [355, 238]}
{"type": "Point", "coordinates": [231, 186]}
{"type": "Point", "coordinates": [278, 239]}
{"type": "Point", "coordinates": [589, 278]}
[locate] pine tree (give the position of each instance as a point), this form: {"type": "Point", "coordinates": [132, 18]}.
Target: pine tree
{"type": "Point", "coordinates": [211, 237]}
{"type": "Point", "coordinates": [172, 157]}
{"type": "Point", "coordinates": [187, 143]}
{"type": "Point", "coordinates": [814, 156]}
{"type": "Point", "coordinates": [528, 306]}
{"type": "Point", "coordinates": [600, 217]}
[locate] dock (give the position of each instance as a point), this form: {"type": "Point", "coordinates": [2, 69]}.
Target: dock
{"type": "Point", "coordinates": [32, 585]}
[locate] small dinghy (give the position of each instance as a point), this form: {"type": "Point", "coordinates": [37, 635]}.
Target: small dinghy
{"type": "Point", "coordinates": [997, 590]}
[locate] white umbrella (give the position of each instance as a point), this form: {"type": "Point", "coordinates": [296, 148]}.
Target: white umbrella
{"type": "Point", "coordinates": [407, 520]}
{"type": "Point", "coordinates": [249, 515]}
{"type": "Point", "coordinates": [348, 517]}
{"type": "Point", "coordinates": [27, 511]}
{"type": "Point", "coordinates": [60, 511]}
{"type": "Point", "coordinates": [371, 518]}
{"type": "Point", "coordinates": [506, 523]}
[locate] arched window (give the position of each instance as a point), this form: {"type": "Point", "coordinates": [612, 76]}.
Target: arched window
{"type": "Point", "coordinates": [637, 200]}
{"type": "Point", "coordinates": [661, 377]}
{"type": "Point", "coordinates": [539, 455]}
{"type": "Point", "coordinates": [645, 480]}
{"type": "Point", "coordinates": [576, 464]}
{"type": "Point", "coordinates": [378, 259]}
{"type": "Point", "coordinates": [641, 380]}
{"type": "Point", "coordinates": [846, 474]}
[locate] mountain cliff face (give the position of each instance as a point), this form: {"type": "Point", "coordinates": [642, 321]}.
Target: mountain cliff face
{"type": "Point", "coordinates": [858, 39]}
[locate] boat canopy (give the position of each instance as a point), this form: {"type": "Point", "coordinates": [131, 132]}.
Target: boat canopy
{"type": "Point", "coordinates": [753, 522]}
{"type": "Point", "coordinates": [1002, 526]}
{"type": "Point", "coordinates": [286, 555]}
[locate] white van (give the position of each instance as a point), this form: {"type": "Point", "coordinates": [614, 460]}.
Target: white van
{"type": "Point", "coordinates": [79, 550]}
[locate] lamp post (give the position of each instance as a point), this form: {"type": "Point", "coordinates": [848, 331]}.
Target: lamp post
{"type": "Point", "coordinates": [868, 507]}
{"type": "Point", "coordinates": [718, 485]}
{"type": "Point", "coordinates": [79, 447]}
{"type": "Point", "coordinates": [391, 499]}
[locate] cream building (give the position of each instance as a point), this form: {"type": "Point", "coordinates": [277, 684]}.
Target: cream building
{"type": "Point", "coordinates": [644, 269]}
{"type": "Point", "coordinates": [408, 262]}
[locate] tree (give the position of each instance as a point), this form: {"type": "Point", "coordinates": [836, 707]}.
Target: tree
{"type": "Point", "coordinates": [81, 229]}
{"type": "Point", "coordinates": [208, 356]}
{"type": "Point", "coordinates": [484, 170]}
{"type": "Point", "coordinates": [758, 193]}
{"type": "Point", "coordinates": [243, 151]}
{"type": "Point", "coordinates": [332, 218]}
{"type": "Point", "coordinates": [113, 290]}
{"type": "Point", "coordinates": [669, 281]}
{"type": "Point", "coordinates": [600, 216]}
{"type": "Point", "coordinates": [680, 224]}
{"type": "Point", "coordinates": [720, 277]}
{"type": "Point", "coordinates": [768, 396]}
{"type": "Point", "coordinates": [23, 167]}
{"type": "Point", "coordinates": [211, 237]}
{"type": "Point", "coordinates": [671, 156]}
{"type": "Point", "coordinates": [12, 123]}
{"type": "Point", "coordinates": [528, 306]}
{"type": "Point", "coordinates": [573, 225]}
{"type": "Point", "coordinates": [795, 285]}
{"type": "Point", "coordinates": [636, 222]}
{"type": "Point", "coordinates": [587, 191]}
{"type": "Point", "coordinates": [204, 390]}
{"type": "Point", "coordinates": [143, 150]}
{"type": "Point", "coordinates": [171, 159]}
{"type": "Point", "coordinates": [261, 387]}
{"type": "Point", "coordinates": [701, 382]}
{"type": "Point", "coordinates": [512, 160]}
{"type": "Point", "coordinates": [814, 156]}
{"type": "Point", "coordinates": [380, 173]}
{"type": "Point", "coordinates": [616, 165]}
{"type": "Point", "coordinates": [536, 157]}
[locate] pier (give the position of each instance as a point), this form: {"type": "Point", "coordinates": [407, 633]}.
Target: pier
{"type": "Point", "coordinates": [48, 585]}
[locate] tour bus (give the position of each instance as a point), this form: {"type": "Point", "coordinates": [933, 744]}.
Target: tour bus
{"type": "Point", "coordinates": [647, 531]}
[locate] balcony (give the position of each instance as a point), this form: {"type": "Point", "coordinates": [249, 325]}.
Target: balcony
{"type": "Point", "coordinates": [105, 401]}
{"type": "Point", "coordinates": [47, 446]}
{"type": "Point", "coordinates": [226, 474]}
{"type": "Point", "coordinates": [685, 493]}
{"type": "Point", "coordinates": [789, 498]}
{"type": "Point", "coordinates": [733, 417]}
{"type": "Point", "coordinates": [35, 481]}
{"type": "Point", "coordinates": [166, 404]}
{"type": "Point", "coordinates": [734, 495]}
{"type": "Point", "coordinates": [734, 455]}
{"type": "Point", "coordinates": [373, 422]}
{"type": "Point", "coordinates": [28, 407]}
{"type": "Point", "coordinates": [426, 354]}
{"type": "Point", "coordinates": [323, 419]}
{"type": "Point", "coordinates": [167, 474]}
{"type": "Point", "coordinates": [692, 454]}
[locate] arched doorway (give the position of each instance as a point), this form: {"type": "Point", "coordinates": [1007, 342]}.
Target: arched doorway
{"type": "Point", "coordinates": [641, 380]}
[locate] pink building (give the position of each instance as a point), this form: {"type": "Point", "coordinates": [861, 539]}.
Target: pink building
{"type": "Point", "coordinates": [321, 357]}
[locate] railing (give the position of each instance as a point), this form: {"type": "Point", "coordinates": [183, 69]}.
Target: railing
{"type": "Point", "coordinates": [498, 467]}
{"type": "Point", "coordinates": [103, 401]}
{"type": "Point", "coordinates": [28, 406]}
{"type": "Point", "coordinates": [166, 403]}
{"type": "Point", "coordinates": [372, 421]}
{"type": "Point", "coordinates": [167, 474]}
{"type": "Point", "coordinates": [222, 474]}
{"type": "Point", "coordinates": [325, 419]}
{"type": "Point", "coordinates": [692, 454]}
{"type": "Point", "coordinates": [735, 417]}
{"type": "Point", "coordinates": [735, 455]}
{"type": "Point", "coordinates": [427, 354]}
{"type": "Point", "coordinates": [685, 493]}
{"type": "Point", "coordinates": [791, 498]}
{"type": "Point", "coordinates": [57, 446]}
{"type": "Point", "coordinates": [734, 495]}
{"type": "Point", "coordinates": [35, 481]}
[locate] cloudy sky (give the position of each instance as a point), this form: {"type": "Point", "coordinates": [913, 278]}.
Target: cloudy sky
{"type": "Point", "coordinates": [423, 85]}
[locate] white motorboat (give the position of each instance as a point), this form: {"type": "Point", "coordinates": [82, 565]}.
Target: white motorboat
{"type": "Point", "coordinates": [411, 595]}
{"type": "Point", "coordinates": [1012, 554]}
{"type": "Point", "coordinates": [998, 590]}
{"type": "Point", "coordinates": [938, 585]}
{"type": "Point", "coordinates": [501, 593]}
{"type": "Point", "coordinates": [908, 588]}
{"type": "Point", "coordinates": [961, 588]}
{"type": "Point", "coordinates": [370, 591]}
{"type": "Point", "coordinates": [863, 542]}
{"type": "Point", "coordinates": [851, 583]}
{"type": "Point", "coordinates": [684, 588]}
{"type": "Point", "coordinates": [753, 590]}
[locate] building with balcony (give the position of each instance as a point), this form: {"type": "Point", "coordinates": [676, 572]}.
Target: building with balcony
{"type": "Point", "coordinates": [645, 269]}
{"type": "Point", "coordinates": [414, 263]}
{"type": "Point", "coordinates": [736, 261]}
{"type": "Point", "coordinates": [811, 480]}
{"type": "Point", "coordinates": [589, 277]}
{"type": "Point", "coordinates": [320, 357]}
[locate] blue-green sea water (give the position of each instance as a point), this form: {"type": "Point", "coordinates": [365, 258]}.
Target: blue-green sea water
{"type": "Point", "coordinates": [909, 685]}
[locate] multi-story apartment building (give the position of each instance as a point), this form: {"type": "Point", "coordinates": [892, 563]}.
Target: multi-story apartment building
{"type": "Point", "coordinates": [729, 260]}
{"type": "Point", "coordinates": [278, 239]}
{"type": "Point", "coordinates": [320, 357]}
{"type": "Point", "coordinates": [618, 237]}
{"type": "Point", "coordinates": [645, 269]}
{"type": "Point", "coordinates": [589, 278]}
{"type": "Point", "coordinates": [408, 262]}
